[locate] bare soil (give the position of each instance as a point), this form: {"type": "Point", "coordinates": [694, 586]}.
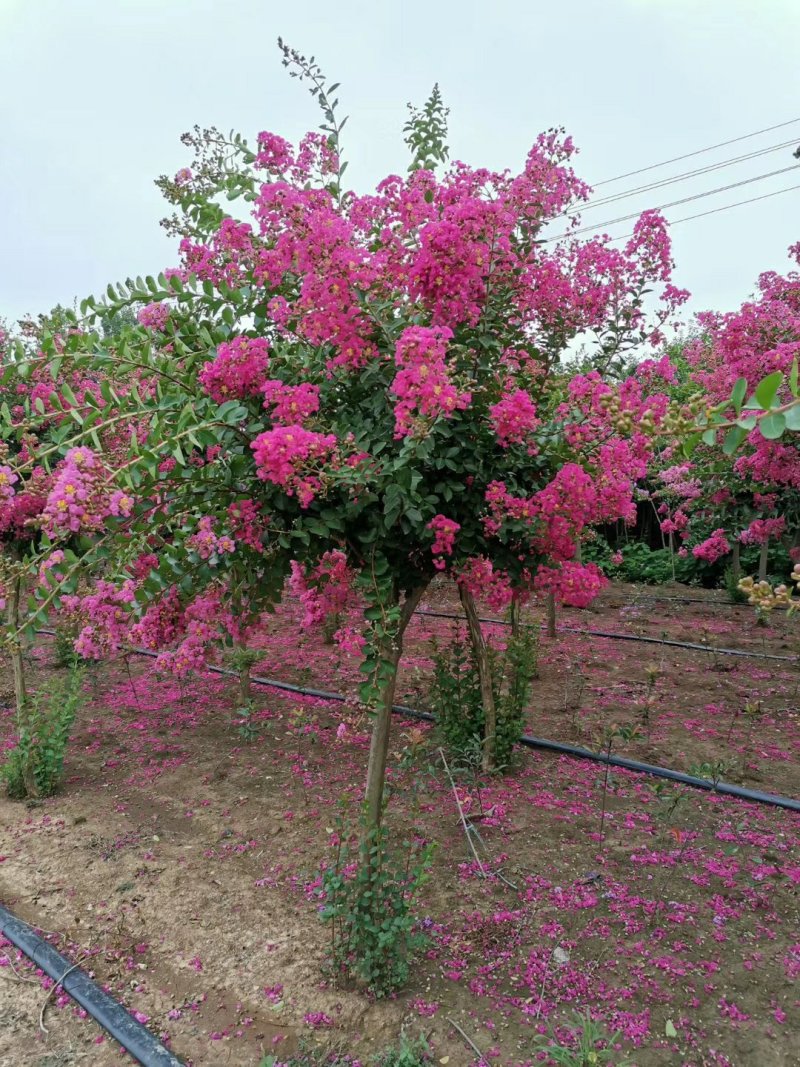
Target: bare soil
{"type": "Point", "coordinates": [183, 862]}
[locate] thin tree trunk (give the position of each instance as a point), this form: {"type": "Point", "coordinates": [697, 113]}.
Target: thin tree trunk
{"type": "Point", "coordinates": [658, 523]}
{"type": "Point", "coordinates": [762, 561]}
{"type": "Point", "coordinates": [578, 551]}
{"type": "Point", "coordinates": [18, 671]}
{"type": "Point", "coordinates": [551, 614]}
{"type": "Point", "coordinates": [515, 617]}
{"type": "Point", "coordinates": [379, 744]}
{"type": "Point", "coordinates": [17, 665]}
{"type": "Point", "coordinates": [481, 654]}
{"type": "Point", "coordinates": [672, 554]}
{"type": "Point", "coordinates": [736, 561]}
{"type": "Point", "coordinates": [245, 689]}
{"type": "Point", "coordinates": [329, 627]}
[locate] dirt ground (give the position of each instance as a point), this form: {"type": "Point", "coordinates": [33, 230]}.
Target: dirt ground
{"type": "Point", "coordinates": [183, 861]}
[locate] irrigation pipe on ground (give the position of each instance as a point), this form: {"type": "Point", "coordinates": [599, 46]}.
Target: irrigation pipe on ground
{"type": "Point", "coordinates": [724, 788]}
{"type": "Point", "coordinates": [629, 637]}
{"type": "Point", "coordinates": [135, 1038]}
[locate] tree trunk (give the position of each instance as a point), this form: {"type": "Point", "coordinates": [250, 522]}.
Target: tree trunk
{"type": "Point", "coordinates": [736, 561]}
{"type": "Point", "coordinates": [481, 654]}
{"type": "Point", "coordinates": [658, 523]}
{"type": "Point", "coordinates": [578, 551]}
{"type": "Point", "coordinates": [329, 627]}
{"type": "Point", "coordinates": [672, 554]}
{"type": "Point", "coordinates": [17, 666]}
{"type": "Point", "coordinates": [245, 689]}
{"type": "Point", "coordinates": [551, 614]}
{"type": "Point", "coordinates": [18, 671]}
{"type": "Point", "coordinates": [762, 561]}
{"type": "Point", "coordinates": [515, 617]}
{"type": "Point", "coordinates": [379, 744]}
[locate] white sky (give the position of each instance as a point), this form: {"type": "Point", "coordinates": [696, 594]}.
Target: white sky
{"type": "Point", "coordinates": [94, 95]}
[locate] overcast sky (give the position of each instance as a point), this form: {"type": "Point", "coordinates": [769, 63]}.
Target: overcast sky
{"type": "Point", "coordinates": [94, 95]}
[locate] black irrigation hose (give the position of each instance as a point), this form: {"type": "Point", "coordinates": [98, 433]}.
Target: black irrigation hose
{"type": "Point", "coordinates": [109, 1013]}
{"type": "Point", "coordinates": [629, 637]}
{"type": "Point", "coordinates": [725, 788]}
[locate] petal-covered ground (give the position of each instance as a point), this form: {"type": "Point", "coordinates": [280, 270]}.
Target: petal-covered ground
{"type": "Point", "coordinates": [183, 861]}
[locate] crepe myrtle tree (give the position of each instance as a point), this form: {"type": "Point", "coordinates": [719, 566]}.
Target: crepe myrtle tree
{"type": "Point", "coordinates": [757, 348]}
{"type": "Point", "coordinates": [46, 479]}
{"type": "Point", "coordinates": [367, 386]}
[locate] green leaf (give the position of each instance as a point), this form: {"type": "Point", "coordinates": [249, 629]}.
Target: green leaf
{"type": "Point", "coordinates": [767, 389]}
{"type": "Point", "coordinates": [793, 380]}
{"type": "Point", "coordinates": [772, 426]}
{"type": "Point", "coordinates": [691, 443]}
{"type": "Point", "coordinates": [792, 418]}
{"type": "Point", "coordinates": [733, 438]}
{"type": "Point", "coordinates": [710, 437]}
{"type": "Point", "coordinates": [739, 393]}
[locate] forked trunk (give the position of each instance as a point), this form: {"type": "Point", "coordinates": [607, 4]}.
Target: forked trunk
{"type": "Point", "coordinates": [481, 655]}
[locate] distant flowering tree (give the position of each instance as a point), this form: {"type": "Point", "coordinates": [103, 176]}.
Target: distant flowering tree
{"type": "Point", "coordinates": [366, 388]}
{"type": "Point", "coordinates": [745, 363]}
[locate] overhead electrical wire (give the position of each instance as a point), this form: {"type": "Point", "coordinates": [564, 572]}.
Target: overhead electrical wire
{"type": "Point", "coordinates": [672, 203]}
{"type": "Point", "coordinates": [680, 177]}
{"type": "Point", "coordinates": [716, 210]}
{"type": "Point", "coordinates": [696, 152]}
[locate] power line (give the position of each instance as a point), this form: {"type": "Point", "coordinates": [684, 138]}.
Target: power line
{"type": "Point", "coordinates": [697, 152]}
{"type": "Point", "coordinates": [672, 203]}
{"type": "Point", "coordinates": [725, 207]}
{"type": "Point", "coordinates": [681, 177]}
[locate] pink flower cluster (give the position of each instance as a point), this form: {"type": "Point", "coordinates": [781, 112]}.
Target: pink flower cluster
{"type": "Point", "coordinates": [154, 316]}
{"type": "Point", "coordinates": [76, 500]}
{"type": "Point", "coordinates": [120, 504]}
{"type": "Point", "coordinates": [106, 615]}
{"type": "Point", "coordinates": [423, 385]}
{"type": "Point", "coordinates": [325, 589]}
{"type": "Point", "coordinates": [479, 577]}
{"type": "Point", "coordinates": [514, 418]}
{"type": "Point", "coordinates": [444, 531]}
{"type": "Point", "coordinates": [291, 404]}
{"type": "Point", "coordinates": [573, 584]}
{"type": "Point", "coordinates": [247, 524]}
{"type": "Point", "coordinates": [286, 456]}
{"type": "Point", "coordinates": [207, 543]}
{"type": "Point", "coordinates": [713, 548]}
{"type": "Point", "coordinates": [761, 530]}
{"type": "Point", "coordinates": [161, 623]}
{"type": "Point", "coordinates": [761, 337]}
{"type": "Point", "coordinates": [8, 479]}
{"type": "Point", "coordinates": [203, 621]}
{"type": "Point", "coordinates": [237, 371]}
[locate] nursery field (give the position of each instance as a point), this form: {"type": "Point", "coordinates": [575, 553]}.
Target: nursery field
{"type": "Point", "coordinates": [181, 861]}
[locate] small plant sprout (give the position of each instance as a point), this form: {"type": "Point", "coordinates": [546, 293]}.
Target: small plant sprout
{"type": "Point", "coordinates": [589, 1044]}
